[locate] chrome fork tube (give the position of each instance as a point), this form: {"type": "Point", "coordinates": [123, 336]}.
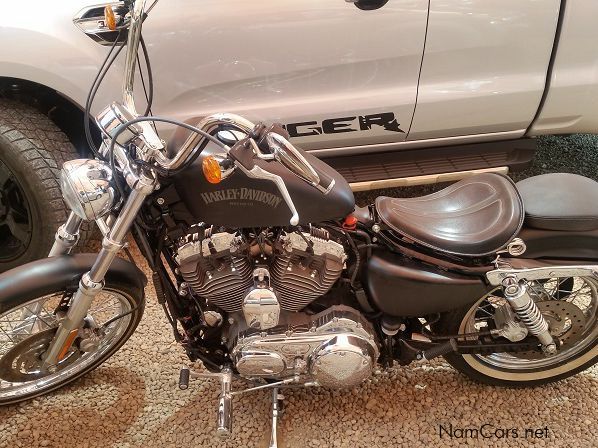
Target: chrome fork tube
{"type": "Point", "coordinates": [92, 282]}
{"type": "Point", "coordinates": [66, 236]}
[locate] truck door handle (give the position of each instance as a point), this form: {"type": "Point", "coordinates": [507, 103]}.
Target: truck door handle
{"type": "Point", "coordinates": [368, 5]}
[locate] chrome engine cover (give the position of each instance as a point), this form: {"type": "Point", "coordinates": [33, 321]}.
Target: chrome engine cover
{"type": "Point", "coordinates": [335, 348]}
{"type": "Point", "coordinates": [260, 306]}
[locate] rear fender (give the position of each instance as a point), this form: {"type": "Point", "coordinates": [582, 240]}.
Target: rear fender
{"type": "Point", "coordinates": [45, 276]}
{"type": "Point", "coordinates": [558, 244]}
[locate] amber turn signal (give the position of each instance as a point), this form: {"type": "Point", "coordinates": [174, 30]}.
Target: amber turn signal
{"type": "Point", "coordinates": [211, 170]}
{"type": "Point", "coordinates": [109, 18]}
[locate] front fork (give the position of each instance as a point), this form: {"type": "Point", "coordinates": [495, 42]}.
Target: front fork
{"type": "Point", "coordinates": [67, 236]}
{"type": "Point", "coordinates": [92, 282]}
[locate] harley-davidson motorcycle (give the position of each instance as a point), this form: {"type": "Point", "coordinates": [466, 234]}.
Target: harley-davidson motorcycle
{"type": "Point", "coordinates": [268, 272]}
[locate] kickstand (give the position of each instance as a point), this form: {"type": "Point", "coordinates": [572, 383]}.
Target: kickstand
{"type": "Point", "coordinates": [276, 412]}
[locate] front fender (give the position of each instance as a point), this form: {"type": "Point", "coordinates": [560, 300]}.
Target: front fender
{"type": "Point", "coordinates": [45, 276]}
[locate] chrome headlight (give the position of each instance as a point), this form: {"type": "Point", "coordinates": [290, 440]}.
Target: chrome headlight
{"type": "Point", "coordinates": [87, 187]}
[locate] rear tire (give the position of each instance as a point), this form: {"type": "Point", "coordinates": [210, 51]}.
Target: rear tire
{"type": "Point", "coordinates": [32, 151]}
{"type": "Point", "coordinates": [483, 370]}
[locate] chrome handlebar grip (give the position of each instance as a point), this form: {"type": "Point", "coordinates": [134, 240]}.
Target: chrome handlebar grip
{"type": "Point", "coordinates": [208, 124]}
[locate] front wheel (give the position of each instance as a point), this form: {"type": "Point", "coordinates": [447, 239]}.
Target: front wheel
{"type": "Point", "coordinates": [27, 329]}
{"type": "Point", "coordinates": [569, 305]}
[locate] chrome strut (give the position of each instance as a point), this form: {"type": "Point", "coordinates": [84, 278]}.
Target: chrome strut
{"type": "Point", "coordinates": [67, 236]}
{"type": "Point", "coordinates": [517, 295]}
{"type": "Point", "coordinates": [276, 412]}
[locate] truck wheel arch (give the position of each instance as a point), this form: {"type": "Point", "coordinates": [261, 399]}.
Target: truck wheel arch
{"type": "Point", "coordinates": [62, 110]}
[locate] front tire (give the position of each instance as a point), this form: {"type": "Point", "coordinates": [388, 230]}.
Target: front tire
{"type": "Point", "coordinates": [27, 328]}
{"type": "Point", "coordinates": [533, 369]}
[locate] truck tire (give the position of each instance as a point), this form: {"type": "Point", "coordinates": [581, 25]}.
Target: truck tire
{"type": "Point", "coordinates": [32, 150]}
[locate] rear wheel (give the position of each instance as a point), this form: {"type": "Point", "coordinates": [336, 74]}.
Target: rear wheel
{"type": "Point", "coordinates": [569, 305]}
{"type": "Point", "coordinates": [27, 329]}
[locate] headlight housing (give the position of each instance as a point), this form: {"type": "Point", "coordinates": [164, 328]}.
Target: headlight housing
{"type": "Point", "coordinates": [87, 188]}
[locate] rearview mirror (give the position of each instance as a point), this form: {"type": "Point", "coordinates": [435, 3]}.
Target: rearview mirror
{"type": "Point", "coordinates": [92, 21]}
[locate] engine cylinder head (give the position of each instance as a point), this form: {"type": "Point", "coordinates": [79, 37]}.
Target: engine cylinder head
{"type": "Point", "coordinates": [298, 276]}
{"type": "Point", "coordinates": [224, 279]}
{"type": "Point", "coordinates": [219, 267]}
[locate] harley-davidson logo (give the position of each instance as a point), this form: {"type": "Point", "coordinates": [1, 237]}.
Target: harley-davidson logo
{"type": "Point", "coordinates": [242, 194]}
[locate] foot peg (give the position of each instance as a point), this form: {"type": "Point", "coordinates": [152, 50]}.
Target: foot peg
{"type": "Point", "coordinates": [440, 349]}
{"type": "Point", "coordinates": [224, 420]}
{"type": "Point", "coordinates": [184, 376]}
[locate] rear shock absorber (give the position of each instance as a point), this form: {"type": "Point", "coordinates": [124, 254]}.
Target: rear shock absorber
{"type": "Point", "coordinates": [516, 293]}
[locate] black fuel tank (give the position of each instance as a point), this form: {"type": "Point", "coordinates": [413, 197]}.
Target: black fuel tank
{"type": "Point", "coordinates": [242, 202]}
{"type": "Point", "coordinates": [408, 288]}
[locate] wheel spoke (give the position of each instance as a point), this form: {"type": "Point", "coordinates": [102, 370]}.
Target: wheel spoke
{"type": "Point", "coordinates": [26, 331]}
{"type": "Point", "coordinates": [569, 299]}
{"type": "Point", "coordinates": [8, 335]}
{"type": "Point", "coordinates": [39, 318]}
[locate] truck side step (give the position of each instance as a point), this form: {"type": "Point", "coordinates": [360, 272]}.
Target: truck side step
{"type": "Point", "coordinates": [431, 165]}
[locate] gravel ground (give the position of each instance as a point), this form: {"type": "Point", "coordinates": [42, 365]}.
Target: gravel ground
{"type": "Point", "coordinates": [133, 399]}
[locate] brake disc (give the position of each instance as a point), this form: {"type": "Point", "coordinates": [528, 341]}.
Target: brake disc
{"type": "Point", "coordinates": [566, 321]}
{"type": "Point", "coordinates": [23, 362]}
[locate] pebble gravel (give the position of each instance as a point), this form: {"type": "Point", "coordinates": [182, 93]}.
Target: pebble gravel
{"type": "Point", "coordinates": [133, 401]}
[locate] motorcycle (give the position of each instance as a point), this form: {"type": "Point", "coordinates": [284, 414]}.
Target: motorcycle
{"type": "Point", "coordinates": [269, 273]}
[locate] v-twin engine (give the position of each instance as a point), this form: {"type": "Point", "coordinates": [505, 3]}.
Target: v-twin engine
{"type": "Point", "coordinates": [263, 282]}
{"type": "Point", "coordinates": [298, 267]}
{"type": "Point", "coordinates": [335, 348]}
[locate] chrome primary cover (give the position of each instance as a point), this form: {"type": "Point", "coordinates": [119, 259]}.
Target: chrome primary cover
{"type": "Point", "coordinates": [335, 348]}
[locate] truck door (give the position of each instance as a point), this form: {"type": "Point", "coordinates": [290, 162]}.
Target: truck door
{"type": "Point", "coordinates": [334, 74]}
{"type": "Point", "coordinates": [484, 67]}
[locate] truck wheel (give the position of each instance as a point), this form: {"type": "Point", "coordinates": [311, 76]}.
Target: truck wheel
{"type": "Point", "coordinates": [32, 150]}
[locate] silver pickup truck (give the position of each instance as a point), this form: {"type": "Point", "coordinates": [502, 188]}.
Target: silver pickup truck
{"type": "Point", "coordinates": [389, 92]}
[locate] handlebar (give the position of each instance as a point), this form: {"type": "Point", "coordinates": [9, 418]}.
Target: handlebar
{"type": "Point", "coordinates": [207, 124]}
{"type": "Point", "coordinates": [133, 40]}
{"type": "Point", "coordinates": [117, 119]}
